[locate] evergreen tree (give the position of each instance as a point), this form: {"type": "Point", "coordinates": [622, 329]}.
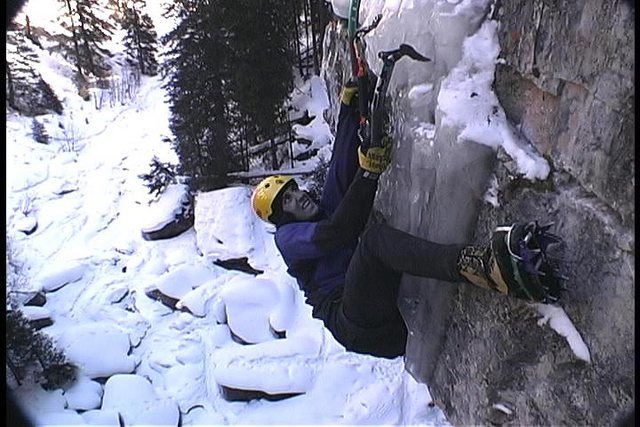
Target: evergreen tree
{"type": "Point", "coordinates": [32, 355]}
{"type": "Point", "coordinates": [160, 177]}
{"type": "Point", "coordinates": [198, 77]}
{"type": "Point", "coordinates": [83, 18]}
{"type": "Point", "coordinates": [263, 59]}
{"type": "Point", "coordinates": [27, 92]}
{"type": "Point", "coordinates": [141, 39]}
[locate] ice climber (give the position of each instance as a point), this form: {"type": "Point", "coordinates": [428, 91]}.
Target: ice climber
{"type": "Point", "coordinates": [350, 268]}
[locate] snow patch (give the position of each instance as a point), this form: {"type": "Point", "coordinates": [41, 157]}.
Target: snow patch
{"type": "Point", "coordinates": [419, 91]}
{"type": "Point", "coordinates": [466, 101]}
{"type": "Point", "coordinates": [425, 131]}
{"type": "Point", "coordinates": [491, 195]}
{"type": "Point", "coordinates": [559, 321]}
{"type": "Point", "coordinates": [502, 408]}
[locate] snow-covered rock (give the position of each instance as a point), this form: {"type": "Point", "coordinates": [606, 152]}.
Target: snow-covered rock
{"type": "Point", "coordinates": [99, 349]}
{"type": "Point", "coordinates": [466, 101]}
{"type": "Point", "coordinates": [26, 224]}
{"type": "Point", "coordinates": [202, 300]}
{"type": "Point", "coordinates": [39, 317]}
{"type": "Point", "coordinates": [57, 276]}
{"type": "Point", "coordinates": [84, 394]}
{"type": "Point", "coordinates": [223, 236]}
{"type": "Point", "coordinates": [35, 313]}
{"type": "Point", "coordinates": [256, 307]}
{"type": "Point", "coordinates": [184, 278]}
{"type": "Point", "coordinates": [135, 399]}
{"type": "Point", "coordinates": [167, 208]}
{"type": "Point", "coordinates": [275, 367]}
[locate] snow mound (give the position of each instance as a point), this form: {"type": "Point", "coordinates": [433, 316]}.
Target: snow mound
{"type": "Point", "coordinates": [135, 399]}
{"type": "Point", "coordinates": [275, 367]}
{"type": "Point", "coordinates": [223, 236]}
{"type": "Point", "coordinates": [56, 277]}
{"type": "Point", "coordinates": [169, 206]}
{"type": "Point", "coordinates": [26, 224]}
{"type": "Point", "coordinates": [84, 394]}
{"type": "Point", "coordinates": [180, 281]}
{"type": "Point", "coordinates": [99, 349]}
{"type": "Point", "coordinates": [199, 300]}
{"type": "Point", "coordinates": [254, 308]}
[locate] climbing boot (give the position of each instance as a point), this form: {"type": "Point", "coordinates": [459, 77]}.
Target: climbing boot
{"type": "Point", "coordinates": [515, 263]}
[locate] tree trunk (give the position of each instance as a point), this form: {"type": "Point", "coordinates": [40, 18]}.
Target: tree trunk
{"type": "Point", "coordinates": [92, 66]}
{"type": "Point", "coordinates": [136, 31]}
{"type": "Point", "coordinates": [75, 38]}
{"type": "Point", "coordinates": [307, 21]}
{"type": "Point", "coordinates": [296, 20]}
{"type": "Point", "coordinates": [11, 95]}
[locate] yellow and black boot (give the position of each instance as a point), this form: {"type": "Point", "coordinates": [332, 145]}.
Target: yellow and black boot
{"type": "Point", "coordinates": [515, 263]}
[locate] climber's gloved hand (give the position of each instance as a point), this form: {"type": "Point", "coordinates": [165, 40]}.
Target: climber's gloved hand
{"type": "Point", "coordinates": [375, 159]}
{"type": "Point", "coordinates": [349, 93]}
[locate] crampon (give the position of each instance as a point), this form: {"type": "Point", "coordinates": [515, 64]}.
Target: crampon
{"type": "Point", "coordinates": [521, 251]}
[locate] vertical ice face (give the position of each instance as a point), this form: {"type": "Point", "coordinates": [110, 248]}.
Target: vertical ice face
{"type": "Point", "coordinates": [447, 120]}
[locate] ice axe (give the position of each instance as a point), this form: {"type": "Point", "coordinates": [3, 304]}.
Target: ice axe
{"type": "Point", "coordinates": [361, 72]}
{"type": "Point", "coordinates": [378, 120]}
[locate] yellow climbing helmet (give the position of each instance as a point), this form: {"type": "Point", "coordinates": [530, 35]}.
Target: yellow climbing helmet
{"type": "Point", "coordinates": [265, 194]}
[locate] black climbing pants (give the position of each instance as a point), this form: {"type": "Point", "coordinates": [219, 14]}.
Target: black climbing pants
{"type": "Point", "coordinates": [364, 317]}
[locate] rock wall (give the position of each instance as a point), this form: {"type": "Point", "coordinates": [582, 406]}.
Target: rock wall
{"type": "Point", "coordinates": [566, 83]}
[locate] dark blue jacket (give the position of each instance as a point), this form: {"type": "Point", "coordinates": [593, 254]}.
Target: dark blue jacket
{"type": "Point", "coordinates": [318, 252]}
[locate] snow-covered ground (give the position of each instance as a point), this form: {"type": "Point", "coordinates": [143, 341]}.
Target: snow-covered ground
{"type": "Point", "coordinates": [88, 254]}
{"type": "Point", "coordinates": [139, 358]}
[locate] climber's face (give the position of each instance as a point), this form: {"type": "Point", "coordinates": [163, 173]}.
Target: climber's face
{"type": "Point", "coordinates": [299, 204]}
